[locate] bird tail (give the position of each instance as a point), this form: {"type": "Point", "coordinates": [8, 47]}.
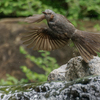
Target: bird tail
{"type": "Point", "coordinates": [87, 44]}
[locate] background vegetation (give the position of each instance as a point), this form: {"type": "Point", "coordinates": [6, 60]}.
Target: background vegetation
{"type": "Point", "coordinates": [45, 62]}
{"type": "Point", "coordinates": [76, 9]}
{"type": "Point", "coordinates": [72, 9]}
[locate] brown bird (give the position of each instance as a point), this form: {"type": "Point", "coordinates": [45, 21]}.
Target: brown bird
{"type": "Point", "coordinates": [57, 33]}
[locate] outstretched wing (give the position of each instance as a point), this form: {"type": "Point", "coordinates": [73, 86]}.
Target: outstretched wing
{"type": "Point", "coordinates": [43, 38]}
{"type": "Point", "coordinates": [35, 18]}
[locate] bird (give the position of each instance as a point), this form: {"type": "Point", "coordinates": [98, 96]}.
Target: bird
{"type": "Point", "coordinates": [57, 33]}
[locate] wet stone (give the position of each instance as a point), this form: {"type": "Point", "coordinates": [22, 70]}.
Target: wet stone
{"type": "Point", "coordinates": [63, 90]}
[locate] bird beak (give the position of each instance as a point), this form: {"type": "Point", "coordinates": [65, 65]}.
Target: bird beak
{"type": "Point", "coordinates": [44, 12]}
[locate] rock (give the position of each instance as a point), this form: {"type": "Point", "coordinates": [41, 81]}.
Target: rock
{"type": "Point", "coordinates": [58, 74]}
{"type": "Point", "coordinates": [76, 68]}
{"type": "Point", "coordinates": [87, 88]}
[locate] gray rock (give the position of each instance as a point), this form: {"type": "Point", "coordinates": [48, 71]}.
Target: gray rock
{"type": "Point", "coordinates": [58, 74]}
{"type": "Point", "coordinates": [87, 88]}
{"type": "Point", "coordinates": [76, 68]}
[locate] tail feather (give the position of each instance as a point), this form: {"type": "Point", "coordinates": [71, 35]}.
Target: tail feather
{"type": "Point", "coordinates": [88, 47]}
{"type": "Point", "coordinates": [83, 52]}
{"type": "Point", "coordinates": [87, 44]}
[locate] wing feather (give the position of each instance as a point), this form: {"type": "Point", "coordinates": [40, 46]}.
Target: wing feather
{"type": "Point", "coordinates": [35, 18]}
{"type": "Point", "coordinates": [43, 38]}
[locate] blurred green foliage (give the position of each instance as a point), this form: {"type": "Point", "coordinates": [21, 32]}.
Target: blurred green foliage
{"type": "Point", "coordinates": [73, 9]}
{"type": "Point", "coordinates": [11, 80]}
{"type": "Point", "coordinates": [84, 9]}
{"type": "Point", "coordinates": [46, 62]}
{"type": "Point", "coordinates": [97, 27]}
{"type": "Point", "coordinates": [23, 7]}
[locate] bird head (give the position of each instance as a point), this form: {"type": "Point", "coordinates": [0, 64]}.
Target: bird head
{"type": "Point", "coordinates": [49, 14]}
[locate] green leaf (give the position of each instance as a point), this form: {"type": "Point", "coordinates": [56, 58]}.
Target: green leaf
{"type": "Point", "coordinates": [22, 50]}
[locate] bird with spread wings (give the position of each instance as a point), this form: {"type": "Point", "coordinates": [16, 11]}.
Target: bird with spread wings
{"type": "Point", "coordinates": [56, 34]}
